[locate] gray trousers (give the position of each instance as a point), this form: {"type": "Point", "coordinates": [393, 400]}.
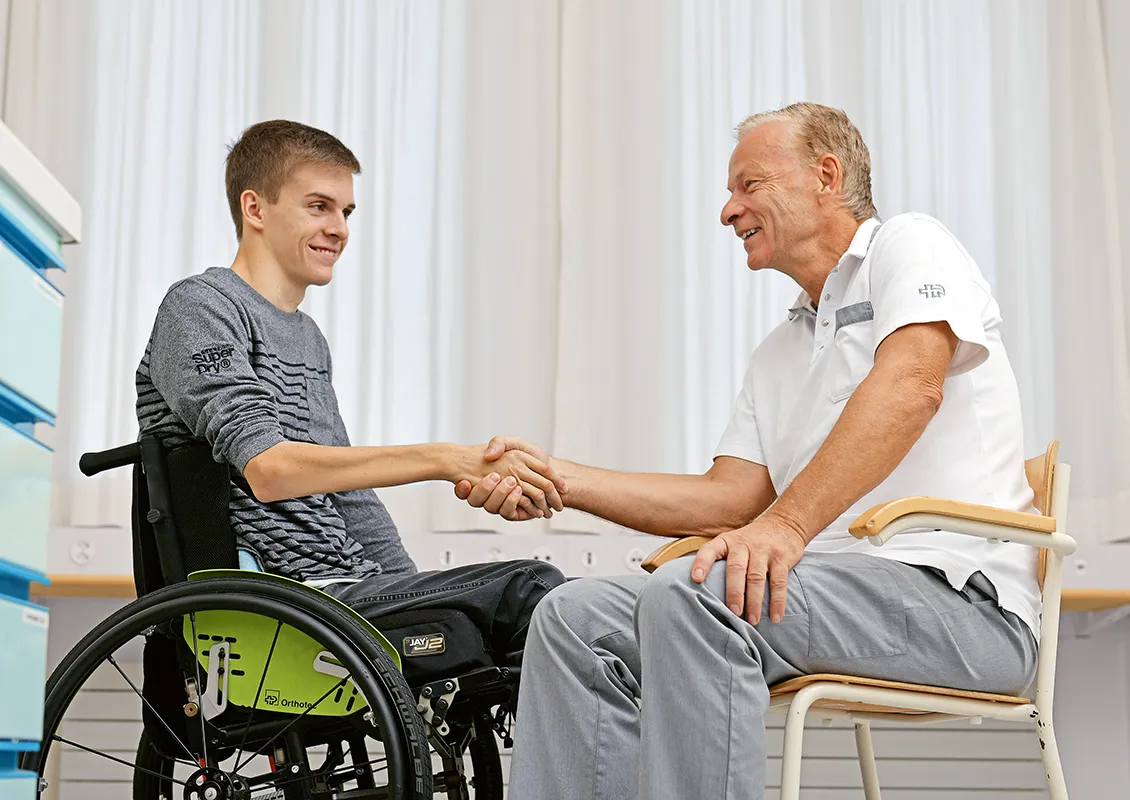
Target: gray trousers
{"type": "Point", "coordinates": [649, 687]}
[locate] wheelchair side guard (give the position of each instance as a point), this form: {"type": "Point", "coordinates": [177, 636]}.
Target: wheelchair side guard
{"type": "Point", "coordinates": [235, 650]}
{"type": "Point", "coordinates": [318, 593]}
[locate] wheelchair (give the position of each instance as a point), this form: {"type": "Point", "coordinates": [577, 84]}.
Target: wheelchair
{"type": "Point", "coordinates": [255, 687]}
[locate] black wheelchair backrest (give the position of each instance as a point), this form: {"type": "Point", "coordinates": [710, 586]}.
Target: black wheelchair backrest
{"type": "Point", "coordinates": [180, 509]}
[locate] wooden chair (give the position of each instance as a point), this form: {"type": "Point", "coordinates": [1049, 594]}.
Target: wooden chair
{"type": "Point", "coordinates": [865, 700]}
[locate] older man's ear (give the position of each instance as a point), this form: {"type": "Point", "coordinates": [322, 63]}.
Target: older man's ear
{"type": "Point", "coordinates": [496, 496]}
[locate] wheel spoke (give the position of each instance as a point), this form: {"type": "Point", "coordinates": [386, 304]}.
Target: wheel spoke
{"type": "Point", "coordinates": [199, 687]}
{"type": "Point", "coordinates": [294, 721]}
{"type": "Point", "coordinates": [132, 685]}
{"type": "Point", "coordinates": [262, 680]}
{"type": "Point", "coordinates": [59, 738]}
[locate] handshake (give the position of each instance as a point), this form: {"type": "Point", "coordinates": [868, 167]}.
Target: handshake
{"type": "Point", "coordinates": [511, 478]}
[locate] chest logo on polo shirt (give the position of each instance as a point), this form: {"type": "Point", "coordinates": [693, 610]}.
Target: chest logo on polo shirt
{"type": "Point", "coordinates": [932, 291]}
{"type": "Point", "coordinates": [213, 359]}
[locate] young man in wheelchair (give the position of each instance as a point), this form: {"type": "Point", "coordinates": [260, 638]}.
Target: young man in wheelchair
{"type": "Point", "coordinates": [233, 362]}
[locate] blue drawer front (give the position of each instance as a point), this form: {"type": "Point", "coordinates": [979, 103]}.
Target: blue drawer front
{"type": "Point", "coordinates": [23, 668]}
{"type": "Point", "coordinates": [34, 226]}
{"type": "Point", "coordinates": [18, 786]}
{"type": "Point", "coordinates": [25, 499]}
{"type": "Point", "coordinates": [31, 332]}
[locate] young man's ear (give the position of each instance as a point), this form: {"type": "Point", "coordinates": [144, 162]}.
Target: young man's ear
{"type": "Point", "coordinates": [252, 206]}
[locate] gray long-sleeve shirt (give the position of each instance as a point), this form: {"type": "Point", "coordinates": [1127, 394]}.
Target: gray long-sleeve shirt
{"type": "Point", "coordinates": [225, 365]}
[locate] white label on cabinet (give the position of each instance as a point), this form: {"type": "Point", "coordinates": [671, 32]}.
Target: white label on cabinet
{"type": "Point", "coordinates": [33, 616]}
{"type": "Point", "coordinates": [48, 291]}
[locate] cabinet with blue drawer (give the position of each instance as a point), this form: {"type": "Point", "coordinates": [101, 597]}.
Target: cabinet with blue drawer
{"type": "Point", "coordinates": [25, 494]}
{"type": "Point", "coordinates": [35, 238]}
{"type": "Point", "coordinates": [36, 217]}
{"type": "Point", "coordinates": [17, 786]}
{"type": "Point", "coordinates": [31, 328]}
{"type": "Point", "coordinates": [23, 665]}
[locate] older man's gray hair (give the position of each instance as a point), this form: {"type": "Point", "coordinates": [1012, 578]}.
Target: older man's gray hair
{"type": "Point", "coordinates": [821, 130]}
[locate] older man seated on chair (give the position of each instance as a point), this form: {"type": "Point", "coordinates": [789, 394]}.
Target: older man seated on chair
{"type": "Point", "coordinates": [887, 379]}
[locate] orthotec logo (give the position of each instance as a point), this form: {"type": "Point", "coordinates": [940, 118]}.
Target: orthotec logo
{"type": "Point", "coordinates": [272, 698]}
{"type": "Point", "coordinates": [213, 359]}
{"type": "Point", "coordinates": [932, 291]}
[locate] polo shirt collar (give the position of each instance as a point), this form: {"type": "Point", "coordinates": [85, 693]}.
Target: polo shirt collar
{"type": "Point", "coordinates": [802, 307]}
{"type": "Point", "coordinates": [860, 244]}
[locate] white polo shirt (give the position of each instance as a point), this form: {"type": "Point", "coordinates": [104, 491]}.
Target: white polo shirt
{"type": "Point", "coordinates": [908, 270]}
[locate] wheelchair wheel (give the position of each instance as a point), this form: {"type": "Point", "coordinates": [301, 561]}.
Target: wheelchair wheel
{"type": "Point", "coordinates": [250, 690]}
{"type": "Point", "coordinates": [152, 780]}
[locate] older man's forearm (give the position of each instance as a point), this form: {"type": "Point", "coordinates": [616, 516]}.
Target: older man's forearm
{"type": "Point", "coordinates": [882, 420]}
{"type": "Point", "coordinates": [657, 503]}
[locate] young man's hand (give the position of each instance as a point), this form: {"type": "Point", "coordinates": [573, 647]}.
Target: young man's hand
{"type": "Point", "coordinates": [511, 478]}
{"type": "Point", "coordinates": [505, 494]}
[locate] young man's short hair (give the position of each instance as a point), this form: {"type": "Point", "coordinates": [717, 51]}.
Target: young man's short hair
{"type": "Point", "coordinates": [264, 156]}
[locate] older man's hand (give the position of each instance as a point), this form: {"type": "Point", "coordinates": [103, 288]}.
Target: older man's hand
{"type": "Point", "coordinates": [507, 499]}
{"type": "Point", "coordinates": [763, 552]}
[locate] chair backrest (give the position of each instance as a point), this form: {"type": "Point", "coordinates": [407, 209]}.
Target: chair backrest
{"type": "Point", "coordinates": [1040, 472]}
{"type": "Point", "coordinates": [180, 514]}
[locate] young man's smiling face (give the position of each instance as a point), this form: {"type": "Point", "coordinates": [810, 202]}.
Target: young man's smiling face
{"type": "Point", "coordinates": [307, 228]}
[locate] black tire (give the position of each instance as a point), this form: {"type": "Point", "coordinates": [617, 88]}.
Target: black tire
{"type": "Point", "coordinates": [147, 786]}
{"type": "Point", "coordinates": [370, 667]}
{"type": "Point", "coordinates": [485, 761]}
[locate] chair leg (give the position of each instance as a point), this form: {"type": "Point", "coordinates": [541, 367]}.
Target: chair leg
{"type": "Point", "coordinates": [794, 741]}
{"type": "Point", "coordinates": [1049, 753]}
{"type": "Point", "coordinates": [867, 767]}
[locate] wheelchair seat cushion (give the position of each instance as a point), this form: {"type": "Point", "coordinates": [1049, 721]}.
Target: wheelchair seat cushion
{"type": "Point", "coordinates": [498, 599]}
{"type": "Point", "coordinates": [435, 643]}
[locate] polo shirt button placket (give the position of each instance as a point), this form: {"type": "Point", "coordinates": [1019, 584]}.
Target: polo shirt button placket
{"type": "Point", "coordinates": [820, 338]}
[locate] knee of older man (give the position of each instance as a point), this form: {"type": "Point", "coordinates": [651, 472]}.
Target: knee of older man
{"type": "Point", "coordinates": [566, 606]}
{"type": "Point", "coordinates": [669, 587]}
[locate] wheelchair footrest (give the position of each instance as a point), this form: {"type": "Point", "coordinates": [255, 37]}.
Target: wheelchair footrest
{"type": "Point", "coordinates": [436, 698]}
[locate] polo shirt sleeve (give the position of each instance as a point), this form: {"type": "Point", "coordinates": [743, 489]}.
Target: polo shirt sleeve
{"type": "Point", "coordinates": [919, 274]}
{"type": "Point", "coordinates": [742, 439]}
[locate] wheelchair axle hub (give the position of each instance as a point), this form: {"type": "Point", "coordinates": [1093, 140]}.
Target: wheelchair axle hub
{"type": "Point", "coordinates": [214, 784]}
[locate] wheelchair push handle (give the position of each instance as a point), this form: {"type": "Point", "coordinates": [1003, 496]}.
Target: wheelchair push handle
{"type": "Point", "coordinates": [93, 463]}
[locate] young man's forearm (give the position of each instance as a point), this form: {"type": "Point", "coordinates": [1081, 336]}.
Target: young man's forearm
{"type": "Point", "coordinates": [297, 469]}
{"type": "Point", "coordinates": [663, 504]}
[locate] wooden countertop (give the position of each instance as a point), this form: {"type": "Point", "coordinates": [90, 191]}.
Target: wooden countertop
{"type": "Point", "coordinates": [121, 586]}
{"type": "Point", "coordinates": [82, 585]}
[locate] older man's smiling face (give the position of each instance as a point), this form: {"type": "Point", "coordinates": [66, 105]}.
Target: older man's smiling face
{"type": "Point", "coordinates": [773, 203]}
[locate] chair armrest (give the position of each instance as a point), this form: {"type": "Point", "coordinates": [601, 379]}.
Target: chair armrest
{"type": "Point", "coordinates": [872, 521]}
{"type": "Point", "coordinates": [675, 549]}
{"type": "Point", "coordinates": [885, 520]}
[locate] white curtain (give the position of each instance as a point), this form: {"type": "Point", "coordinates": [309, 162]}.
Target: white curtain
{"type": "Point", "coordinates": [536, 248]}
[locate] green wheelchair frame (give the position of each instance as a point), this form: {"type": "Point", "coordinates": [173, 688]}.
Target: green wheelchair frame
{"type": "Point", "coordinates": [290, 672]}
